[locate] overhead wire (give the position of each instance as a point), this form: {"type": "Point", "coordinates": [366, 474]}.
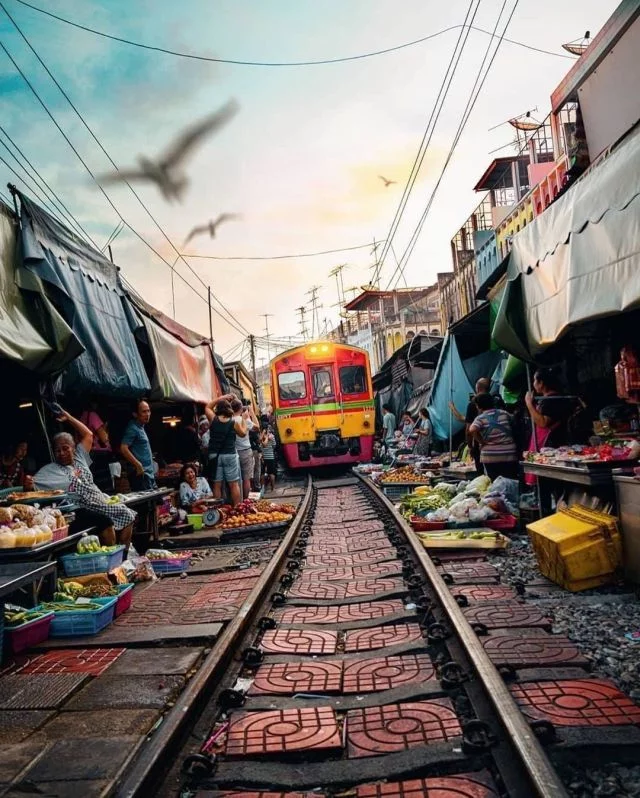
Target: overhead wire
{"type": "Point", "coordinates": [434, 116]}
{"type": "Point", "coordinates": [45, 187]}
{"type": "Point", "coordinates": [28, 182]}
{"type": "Point", "coordinates": [112, 237]}
{"type": "Point", "coordinates": [238, 62]}
{"type": "Point", "coordinates": [234, 322]}
{"type": "Point", "coordinates": [473, 98]}
{"type": "Point", "coordinates": [279, 257]}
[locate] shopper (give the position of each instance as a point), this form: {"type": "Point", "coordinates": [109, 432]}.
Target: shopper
{"type": "Point", "coordinates": [193, 488]}
{"type": "Point", "coordinates": [188, 440]}
{"type": "Point", "coordinates": [136, 449]}
{"type": "Point", "coordinates": [113, 521]}
{"type": "Point", "coordinates": [388, 426]}
{"type": "Point", "coordinates": [550, 413]}
{"type": "Point", "coordinates": [223, 461]}
{"type": "Point", "coordinates": [424, 431]}
{"type": "Point", "coordinates": [483, 385]}
{"type": "Point", "coordinates": [243, 444]}
{"type": "Point", "coordinates": [270, 470]}
{"type": "Point", "coordinates": [493, 432]}
{"type": "Point", "coordinates": [101, 453]}
{"type": "Point", "coordinates": [256, 450]}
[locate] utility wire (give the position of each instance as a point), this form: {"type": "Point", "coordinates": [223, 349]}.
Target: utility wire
{"type": "Point", "coordinates": [234, 323]}
{"type": "Point", "coordinates": [279, 257]}
{"type": "Point", "coordinates": [28, 182]}
{"type": "Point", "coordinates": [112, 237]}
{"type": "Point", "coordinates": [477, 88]}
{"type": "Point", "coordinates": [196, 57]}
{"type": "Point", "coordinates": [46, 188]}
{"type": "Point", "coordinates": [438, 105]}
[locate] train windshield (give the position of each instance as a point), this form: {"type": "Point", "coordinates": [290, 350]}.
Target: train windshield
{"type": "Point", "coordinates": [353, 379]}
{"type": "Point", "coordinates": [291, 385]}
{"type": "Point", "coordinates": [322, 383]}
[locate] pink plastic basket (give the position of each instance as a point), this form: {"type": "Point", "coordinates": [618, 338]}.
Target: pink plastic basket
{"type": "Point", "coordinates": [125, 599]}
{"type": "Point", "coordinates": [28, 634]}
{"type": "Point", "coordinates": [60, 534]}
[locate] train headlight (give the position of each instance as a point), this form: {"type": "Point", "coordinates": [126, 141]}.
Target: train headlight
{"type": "Point", "coordinates": [366, 424]}
{"type": "Point", "coordinates": [288, 431]}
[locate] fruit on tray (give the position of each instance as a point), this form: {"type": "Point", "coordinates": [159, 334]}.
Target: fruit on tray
{"type": "Point", "coordinates": [406, 474]}
{"type": "Point", "coordinates": [265, 506]}
{"type": "Point", "coordinates": [162, 554]}
{"type": "Point", "coordinates": [239, 521]}
{"type": "Point", "coordinates": [90, 544]}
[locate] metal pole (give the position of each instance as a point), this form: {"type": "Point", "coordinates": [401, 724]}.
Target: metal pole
{"type": "Point", "coordinates": [252, 345]}
{"type": "Point", "coordinates": [450, 397]}
{"type": "Point", "coordinates": [210, 315]}
{"type": "Point", "coordinates": [534, 438]}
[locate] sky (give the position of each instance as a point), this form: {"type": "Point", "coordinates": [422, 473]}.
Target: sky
{"type": "Point", "coordinates": [300, 162]}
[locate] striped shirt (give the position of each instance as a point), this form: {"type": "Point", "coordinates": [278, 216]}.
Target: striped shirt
{"type": "Point", "coordinates": [269, 448]}
{"type": "Point", "coordinates": [498, 444]}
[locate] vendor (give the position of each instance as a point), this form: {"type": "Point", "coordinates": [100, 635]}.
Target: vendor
{"type": "Point", "coordinates": [70, 473]}
{"type": "Point", "coordinates": [12, 467]}
{"type": "Point", "coordinates": [424, 430]}
{"type": "Point", "coordinates": [493, 431]}
{"type": "Point", "coordinates": [136, 449]}
{"type": "Point", "coordinates": [483, 385]}
{"type": "Point", "coordinates": [406, 425]}
{"type": "Point", "coordinates": [551, 413]}
{"type": "Point", "coordinates": [192, 487]}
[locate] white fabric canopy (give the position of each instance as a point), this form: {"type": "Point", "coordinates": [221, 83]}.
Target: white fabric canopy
{"type": "Point", "coordinates": [580, 259]}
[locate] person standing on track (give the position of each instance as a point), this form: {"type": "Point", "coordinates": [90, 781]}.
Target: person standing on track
{"type": "Point", "coordinates": [268, 441]}
{"type": "Point", "coordinates": [243, 443]}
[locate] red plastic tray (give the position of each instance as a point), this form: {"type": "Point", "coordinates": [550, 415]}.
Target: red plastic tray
{"type": "Point", "coordinates": [28, 634]}
{"type": "Point", "coordinates": [504, 522]}
{"type": "Point", "coordinates": [420, 525]}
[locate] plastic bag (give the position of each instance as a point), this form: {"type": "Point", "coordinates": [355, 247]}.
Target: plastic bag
{"type": "Point", "coordinates": [138, 568]}
{"type": "Point", "coordinates": [88, 544]}
{"type": "Point", "coordinates": [507, 487]}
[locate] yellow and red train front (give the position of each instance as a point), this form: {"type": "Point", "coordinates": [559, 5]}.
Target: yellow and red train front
{"type": "Point", "coordinates": [323, 402]}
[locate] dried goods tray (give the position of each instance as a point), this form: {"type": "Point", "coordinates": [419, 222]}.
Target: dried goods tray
{"type": "Point", "coordinates": [255, 527]}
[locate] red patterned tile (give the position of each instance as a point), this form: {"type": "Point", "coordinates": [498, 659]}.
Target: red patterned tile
{"type": "Point", "coordinates": [382, 637]}
{"type": "Point", "coordinates": [287, 678]}
{"type": "Point", "coordinates": [259, 795]}
{"type": "Point", "coordinates": [485, 592]}
{"type": "Point", "coordinates": [467, 785]}
{"type": "Point", "coordinates": [580, 702]}
{"type": "Point", "coordinates": [216, 597]}
{"type": "Point", "coordinates": [505, 616]}
{"type": "Point", "coordinates": [341, 614]}
{"type": "Point", "coordinates": [384, 673]}
{"type": "Point", "coordinates": [348, 560]}
{"type": "Point", "coordinates": [294, 641]}
{"type": "Point", "coordinates": [398, 727]}
{"type": "Point", "coordinates": [283, 731]}
{"type": "Point", "coordinates": [459, 571]}
{"type": "Point", "coordinates": [356, 572]}
{"type": "Point", "coordinates": [535, 651]}
{"type": "Point", "coordinates": [354, 589]}
{"type": "Point", "coordinates": [93, 661]}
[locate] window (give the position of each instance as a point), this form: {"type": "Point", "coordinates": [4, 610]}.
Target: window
{"type": "Point", "coordinates": [322, 383]}
{"type": "Point", "coordinates": [353, 379]}
{"type": "Point", "coordinates": [291, 385]}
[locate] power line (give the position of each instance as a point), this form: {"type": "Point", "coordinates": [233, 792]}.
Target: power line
{"type": "Point", "coordinates": [28, 182]}
{"type": "Point", "coordinates": [278, 257]}
{"type": "Point", "coordinates": [46, 188]}
{"type": "Point", "coordinates": [237, 62]}
{"type": "Point", "coordinates": [234, 323]}
{"type": "Point", "coordinates": [473, 98]}
{"type": "Point", "coordinates": [438, 105]}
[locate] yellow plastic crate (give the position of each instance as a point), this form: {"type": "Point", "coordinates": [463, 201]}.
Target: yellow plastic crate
{"type": "Point", "coordinates": [577, 548]}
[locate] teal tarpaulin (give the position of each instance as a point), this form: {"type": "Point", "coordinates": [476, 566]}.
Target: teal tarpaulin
{"type": "Point", "coordinates": [85, 288]}
{"type": "Point", "coordinates": [454, 380]}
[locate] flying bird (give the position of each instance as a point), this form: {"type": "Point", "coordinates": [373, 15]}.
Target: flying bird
{"type": "Point", "coordinates": [386, 182]}
{"type": "Point", "coordinates": [210, 227]}
{"type": "Point", "coordinates": [167, 171]}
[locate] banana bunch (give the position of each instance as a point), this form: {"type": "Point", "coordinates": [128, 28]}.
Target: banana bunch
{"type": "Point", "coordinates": [16, 615]}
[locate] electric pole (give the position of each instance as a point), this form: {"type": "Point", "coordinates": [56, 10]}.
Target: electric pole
{"type": "Point", "coordinates": [210, 314]}
{"type": "Point", "coordinates": [302, 322]}
{"type": "Point", "coordinates": [266, 317]}
{"type": "Point", "coordinates": [252, 355]}
{"type": "Point", "coordinates": [315, 320]}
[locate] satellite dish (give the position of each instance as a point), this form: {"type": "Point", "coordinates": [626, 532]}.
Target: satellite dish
{"type": "Point", "coordinates": [578, 46]}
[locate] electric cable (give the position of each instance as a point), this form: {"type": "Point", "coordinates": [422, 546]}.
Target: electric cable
{"type": "Point", "coordinates": [278, 257]}
{"type": "Point", "coordinates": [237, 62]}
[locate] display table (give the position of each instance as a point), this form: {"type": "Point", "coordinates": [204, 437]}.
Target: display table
{"type": "Point", "coordinates": [628, 496]}
{"type": "Point", "coordinates": [144, 502]}
{"type": "Point", "coordinates": [599, 478]}
{"type": "Point", "coordinates": [45, 553]}
{"type": "Point", "coordinates": [16, 576]}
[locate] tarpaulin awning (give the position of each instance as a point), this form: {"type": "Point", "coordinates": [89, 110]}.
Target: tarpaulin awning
{"type": "Point", "coordinates": [579, 260]}
{"type": "Point", "coordinates": [183, 360]}
{"type": "Point", "coordinates": [85, 288]}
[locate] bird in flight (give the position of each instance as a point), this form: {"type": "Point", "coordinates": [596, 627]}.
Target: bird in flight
{"type": "Point", "coordinates": [386, 182]}
{"type": "Point", "coordinates": [210, 227]}
{"type": "Point", "coordinates": [167, 171]}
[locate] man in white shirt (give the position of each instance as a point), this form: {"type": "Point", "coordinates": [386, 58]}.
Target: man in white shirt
{"type": "Point", "coordinates": [243, 445]}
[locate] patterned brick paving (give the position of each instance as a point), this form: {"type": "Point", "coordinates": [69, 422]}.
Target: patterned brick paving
{"type": "Point", "coordinates": [384, 673]}
{"type": "Point", "coordinates": [290, 678]}
{"type": "Point", "coordinates": [294, 641]}
{"type": "Point", "coordinates": [283, 731]}
{"type": "Point", "coordinates": [342, 614]}
{"type": "Point", "coordinates": [472, 785]}
{"type": "Point", "coordinates": [382, 636]}
{"type": "Point", "coordinates": [532, 652]}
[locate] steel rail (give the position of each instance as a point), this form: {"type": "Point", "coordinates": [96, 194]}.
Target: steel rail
{"type": "Point", "coordinates": [543, 775]}
{"type": "Point", "coordinates": [138, 780]}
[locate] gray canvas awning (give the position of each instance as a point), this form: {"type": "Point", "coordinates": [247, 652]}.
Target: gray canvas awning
{"type": "Point", "coordinates": [579, 260]}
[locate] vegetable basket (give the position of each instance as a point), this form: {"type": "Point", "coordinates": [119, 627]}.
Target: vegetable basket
{"type": "Point", "coordinates": [28, 634]}
{"type": "Point", "coordinates": [101, 562]}
{"type": "Point", "coordinates": [84, 622]}
{"type": "Point", "coordinates": [173, 565]}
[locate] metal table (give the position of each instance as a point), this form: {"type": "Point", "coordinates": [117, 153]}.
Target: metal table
{"type": "Point", "coordinates": [16, 576]}
{"type": "Point", "coordinates": [149, 498]}
{"type": "Point", "coordinates": [601, 478]}
{"type": "Point", "coordinates": [45, 553]}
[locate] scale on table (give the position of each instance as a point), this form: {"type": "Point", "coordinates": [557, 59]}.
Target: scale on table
{"type": "Point", "coordinates": [212, 516]}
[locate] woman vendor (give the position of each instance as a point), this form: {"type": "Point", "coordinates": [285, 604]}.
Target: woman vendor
{"type": "Point", "coordinates": [550, 413]}
{"type": "Point", "coordinates": [113, 521]}
{"type": "Point", "coordinates": [12, 470]}
{"type": "Point", "coordinates": [193, 489]}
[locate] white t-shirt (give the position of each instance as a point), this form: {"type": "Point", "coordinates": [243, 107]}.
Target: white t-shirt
{"type": "Point", "coordinates": [243, 443]}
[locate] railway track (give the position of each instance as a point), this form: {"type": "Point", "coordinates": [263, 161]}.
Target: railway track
{"type": "Point", "coordinates": [358, 664]}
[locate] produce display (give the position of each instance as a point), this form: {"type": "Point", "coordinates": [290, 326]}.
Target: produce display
{"type": "Point", "coordinates": [250, 513]}
{"type": "Point", "coordinates": [70, 590]}
{"type": "Point", "coordinates": [163, 554]}
{"type": "Point", "coordinates": [579, 455]}
{"type": "Point", "coordinates": [15, 615]}
{"type": "Point", "coordinates": [33, 495]}
{"type": "Point", "coordinates": [406, 474]}
{"type": "Point", "coordinates": [469, 539]}
{"type": "Point", "coordinates": [251, 519]}
{"type": "Point", "coordinates": [69, 606]}
{"type": "Point", "coordinates": [26, 526]}
{"type": "Point", "coordinates": [90, 544]}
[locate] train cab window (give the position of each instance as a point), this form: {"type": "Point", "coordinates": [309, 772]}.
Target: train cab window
{"type": "Point", "coordinates": [353, 379]}
{"type": "Point", "coordinates": [291, 385]}
{"type": "Point", "coordinates": [322, 383]}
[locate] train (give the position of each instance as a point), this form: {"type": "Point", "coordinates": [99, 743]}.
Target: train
{"type": "Point", "coordinates": [322, 399]}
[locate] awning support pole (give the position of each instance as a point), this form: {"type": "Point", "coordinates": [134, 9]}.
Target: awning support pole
{"type": "Point", "coordinates": [534, 437]}
{"type": "Point", "coordinates": [450, 400]}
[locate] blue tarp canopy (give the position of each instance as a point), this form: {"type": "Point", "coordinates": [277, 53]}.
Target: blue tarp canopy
{"type": "Point", "coordinates": [85, 288]}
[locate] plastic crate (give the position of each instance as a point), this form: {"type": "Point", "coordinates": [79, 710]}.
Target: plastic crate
{"type": "Point", "coordinates": [28, 634]}
{"type": "Point", "coordinates": [60, 533]}
{"type": "Point", "coordinates": [398, 490]}
{"type": "Point", "coordinates": [125, 599]}
{"type": "Point", "coordinates": [81, 564]}
{"type": "Point", "coordinates": [504, 522]}
{"type": "Point", "coordinates": [422, 525]}
{"type": "Point", "coordinates": [174, 565]}
{"type": "Point", "coordinates": [84, 622]}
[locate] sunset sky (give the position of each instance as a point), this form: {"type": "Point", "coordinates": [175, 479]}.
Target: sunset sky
{"type": "Point", "coordinates": [301, 159]}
